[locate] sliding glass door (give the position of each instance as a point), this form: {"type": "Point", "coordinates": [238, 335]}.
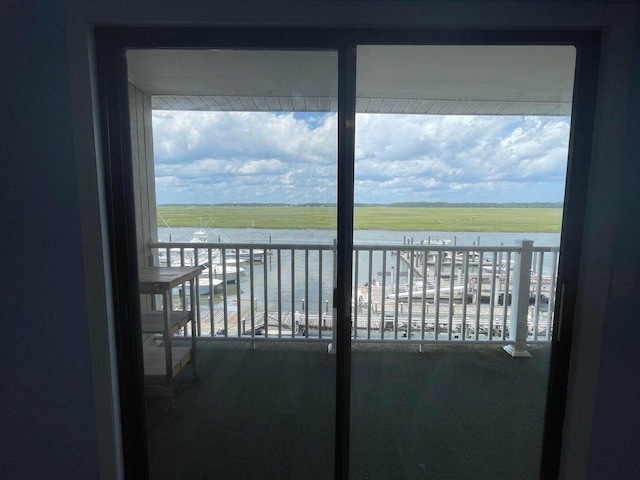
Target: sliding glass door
{"type": "Point", "coordinates": [243, 163]}
{"type": "Point", "coordinates": [461, 160]}
{"type": "Point", "coordinates": [374, 219]}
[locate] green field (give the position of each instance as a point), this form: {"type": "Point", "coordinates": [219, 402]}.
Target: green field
{"type": "Point", "coordinates": [365, 218]}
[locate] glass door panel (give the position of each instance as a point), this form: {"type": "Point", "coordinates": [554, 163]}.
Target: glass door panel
{"type": "Point", "coordinates": [460, 165]}
{"type": "Point", "coordinates": [238, 180]}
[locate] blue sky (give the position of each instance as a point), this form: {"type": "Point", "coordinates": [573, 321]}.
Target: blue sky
{"type": "Point", "coordinates": [241, 157]}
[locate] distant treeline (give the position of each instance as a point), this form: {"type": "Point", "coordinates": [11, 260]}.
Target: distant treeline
{"type": "Point", "coordinates": [392, 205]}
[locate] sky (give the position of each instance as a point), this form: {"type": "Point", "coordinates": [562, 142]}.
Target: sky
{"type": "Point", "coordinates": [273, 157]}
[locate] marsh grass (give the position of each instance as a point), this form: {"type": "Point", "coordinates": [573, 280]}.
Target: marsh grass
{"type": "Point", "coordinates": [543, 220]}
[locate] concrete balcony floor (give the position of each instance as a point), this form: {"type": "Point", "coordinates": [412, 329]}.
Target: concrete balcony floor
{"type": "Point", "coordinates": [458, 412]}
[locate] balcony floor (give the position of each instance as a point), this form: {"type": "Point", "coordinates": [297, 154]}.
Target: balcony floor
{"type": "Point", "coordinates": [459, 412]}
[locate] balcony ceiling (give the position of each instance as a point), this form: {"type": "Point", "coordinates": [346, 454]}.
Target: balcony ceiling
{"type": "Point", "coordinates": [444, 80]}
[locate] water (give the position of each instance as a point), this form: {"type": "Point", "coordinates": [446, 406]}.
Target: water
{"type": "Point", "coordinates": [367, 237]}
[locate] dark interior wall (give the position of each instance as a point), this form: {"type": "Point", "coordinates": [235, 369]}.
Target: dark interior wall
{"type": "Point", "coordinates": [45, 384]}
{"type": "Point", "coordinates": [47, 424]}
{"type": "Point", "coordinates": [615, 443]}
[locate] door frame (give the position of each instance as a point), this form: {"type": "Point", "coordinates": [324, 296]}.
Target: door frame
{"type": "Point", "coordinates": [111, 45]}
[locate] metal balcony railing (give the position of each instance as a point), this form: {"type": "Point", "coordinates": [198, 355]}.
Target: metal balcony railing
{"type": "Point", "coordinates": [402, 293]}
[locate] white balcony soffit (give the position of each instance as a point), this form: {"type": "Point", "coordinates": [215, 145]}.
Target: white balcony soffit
{"type": "Point", "coordinates": [443, 80]}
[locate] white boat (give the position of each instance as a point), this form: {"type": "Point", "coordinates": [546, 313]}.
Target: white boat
{"type": "Point", "coordinates": [436, 241]}
{"type": "Point", "coordinates": [217, 272]}
{"type": "Point", "coordinates": [199, 236]}
{"type": "Point", "coordinates": [176, 258]}
{"type": "Point", "coordinates": [501, 268]}
{"type": "Point", "coordinates": [229, 260]}
{"type": "Point", "coordinates": [418, 290]}
{"type": "Point", "coordinates": [246, 255]}
{"type": "Point", "coordinates": [185, 257]}
{"type": "Point", "coordinates": [472, 260]}
{"type": "Point", "coordinates": [205, 284]}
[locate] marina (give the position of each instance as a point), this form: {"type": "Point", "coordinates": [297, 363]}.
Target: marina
{"type": "Point", "coordinates": [410, 291]}
{"type": "Point", "coordinates": [423, 322]}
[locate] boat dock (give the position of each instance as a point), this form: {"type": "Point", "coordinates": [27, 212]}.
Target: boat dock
{"type": "Point", "coordinates": [371, 316]}
{"type": "Point", "coordinates": [490, 285]}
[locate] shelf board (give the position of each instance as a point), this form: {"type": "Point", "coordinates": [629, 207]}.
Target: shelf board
{"type": "Point", "coordinates": [155, 363]}
{"type": "Point", "coordinates": [153, 322]}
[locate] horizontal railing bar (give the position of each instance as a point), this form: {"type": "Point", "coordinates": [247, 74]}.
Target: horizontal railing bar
{"type": "Point", "coordinates": [359, 341]}
{"type": "Point", "coordinates": [298, 338]}
{"type": "Point", "coordinates": [419, 341]}
{"type": "Point", "coordinates": [436, 248]}
{"type": "Point", "coordinates": [247, 246]}
{"type": "Point", "coordinates": [261, 338]}
{"type": "Point", "coordinates": [545, 249]}
{"type": "Point", "coordinates": [356, 246]}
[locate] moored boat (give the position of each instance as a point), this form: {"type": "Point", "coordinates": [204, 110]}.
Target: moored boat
{"type": "Point", "coordinates": [419, 291]}
{"type": "Point", "coordinates": [221, 272]}
{"type": "Point", "coordinates": [206, 285]}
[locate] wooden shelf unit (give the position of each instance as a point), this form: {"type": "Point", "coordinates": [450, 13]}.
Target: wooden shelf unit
{"type": "Point", "coordinates": [163, 362]}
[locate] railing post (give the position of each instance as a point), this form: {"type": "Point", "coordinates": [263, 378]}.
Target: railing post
{"type": "Point", "coordinates": [520, 301]}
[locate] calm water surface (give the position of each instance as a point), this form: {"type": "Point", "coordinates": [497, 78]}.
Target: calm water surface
{"type": "Point", "coordinates": [371, 237]}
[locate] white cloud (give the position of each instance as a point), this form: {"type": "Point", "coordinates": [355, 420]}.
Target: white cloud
{"type": "Point", "coordinates": [215, 157]}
